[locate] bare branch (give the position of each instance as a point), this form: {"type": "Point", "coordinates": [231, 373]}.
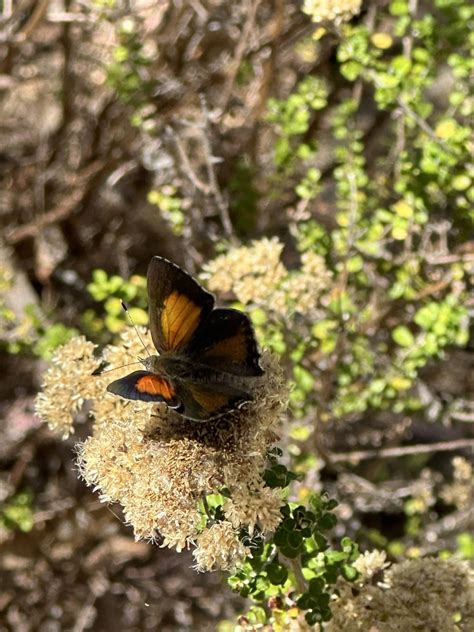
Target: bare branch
{"type": "Point", "coordinates": [185, 163]}
{"type": "Point", "coordinates": [251, 8]}
{"type": "Point", "coordinates": [63, 209]}
{"type": "Point", "coordinates": [386, 453]}
{"type": "Point", "coordinates": [214, 185]}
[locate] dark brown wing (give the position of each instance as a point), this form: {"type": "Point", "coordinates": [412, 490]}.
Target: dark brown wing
{"type": "Point", "coordinates": [177, 305]}
{"type": "Point", "coordinates": [225, 341]}
{"type": "Point", "coordinates": [203, 402]}
{"type": "Point", "coordinates": [145, 386]}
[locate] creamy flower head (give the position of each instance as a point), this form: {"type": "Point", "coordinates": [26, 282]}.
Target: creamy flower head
{"type": "Point", "coordinates": [252, 272]}
{"type": "Point", "coordinates": [69, 383]}
{"type": "Point", "coordinates": [370, 563]}
{"type": "Point", "coordinates": [219, 547]}
{"type": "Point", "coordinates": [253, 506]}
{"type": "Point", "coordinates": [158, 465]}
{"type": "Point", "coordinates": [255, 274]}
{"type": "Point", "coordinates": [331, 10]}
{"type": "Point", "coordinates": [422, 594]}
{"type": "Point", "coordinates": [66, 385]}
{"type": "Point", "coordinates": [461, 491]}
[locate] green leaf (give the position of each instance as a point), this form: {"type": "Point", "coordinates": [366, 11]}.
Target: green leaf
{"type": "Point", "coordinates": [312, 617]}
{"type": "Point", "coordinates": [295, 540]}
{"type": "Point", "coordinates": [257, 615]}
{"type": "Point", "coordinates": [384, 80]}
{"type": "Point", "coordinates": [403, 336]}
{"type": "Point", "coordinates": [258, 316]}
{"type": "Point", "coordinates": [316, 586]}
{"type": "Point", "coordinates": [113, 306]}
{"type": "Point", "coordinates": [351, 70]}
{"type": "Point", "coordinates": [277, 573]}
{"type": "Point", "coordinates": [304, 378]}
{"type": "Point", "coordinates": [323, 328]}
{"type": "Point", "coordinates": [304, 602]}
{"type": "Point", "coordinates": [401, 65]}
{"type": "Point", "coordinates": [327, 521]}
{"type": "Point", "coordinates": [349, 572]}
{"type": "Point", "coordinates": [138, 315]}
{"type": "Point", "coordinates": [461, 182]}
{"type": "Point", "coordinates": [355, 264]}
{"type": "Point", "coordinates": [399, 7]}
{"type": "Point", "coordinates": [271, 479]}
{"type": "Point", "coordinates": [427, 315]}
{"type": "Point", "coordinates": [280, 537]}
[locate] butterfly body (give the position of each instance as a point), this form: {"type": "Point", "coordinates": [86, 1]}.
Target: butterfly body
{"type": "Point", "coordinates": [206, 355]}
{"type": "Point", "coordinates": [180, 369]}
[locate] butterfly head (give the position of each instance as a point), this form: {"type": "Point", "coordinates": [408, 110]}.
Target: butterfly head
{"type": "Point", "coordinates": [167, 365]}
{"type": "Point", "coordinates": [151, 363]}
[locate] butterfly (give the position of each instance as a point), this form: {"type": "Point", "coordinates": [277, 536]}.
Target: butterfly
{"type": "Point", "coordinates": [205, 353]}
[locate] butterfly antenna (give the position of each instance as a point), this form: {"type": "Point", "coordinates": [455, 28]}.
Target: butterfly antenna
{"type": "Point", "coordinates": [135, 327]}
{"type": "Point", "coordinates": [101, 367]}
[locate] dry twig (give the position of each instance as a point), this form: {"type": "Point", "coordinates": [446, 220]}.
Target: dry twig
{"type": "Point", "coordinates": [385, 453]}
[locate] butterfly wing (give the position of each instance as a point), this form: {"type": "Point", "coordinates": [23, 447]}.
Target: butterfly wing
{"type": "Point", "coordinates": [203, 402]}
{"type": "Point", "coordinates": [225, 341]}
{"type": "Point", "coordinates": [145, 386]}
{"type": "Point", "coordinates": [177, 305]}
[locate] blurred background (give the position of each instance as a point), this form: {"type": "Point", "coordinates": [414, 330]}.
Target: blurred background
{"type": "Point", "coordinates": [312, 161]}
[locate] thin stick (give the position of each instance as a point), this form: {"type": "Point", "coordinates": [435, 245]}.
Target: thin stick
{"type": "Point", "coordinates": [424, 448]}
{"type": "Point", "coordinates": [36, 16]}
{"type": "Point", "coordinates": [185, 163]}
{"type": "Point", "coordinates": [211, 174]}
{"type": "Point", "coordinates": [206, 506]}
{"type": "Point", "coordinates": [422, 124]}
{"type": "Point", "coordinates": [295, 566]}
{"type": "Point", "coordinates": [63, 209]}
{"type": "Point", "coordinates": [250, 8]}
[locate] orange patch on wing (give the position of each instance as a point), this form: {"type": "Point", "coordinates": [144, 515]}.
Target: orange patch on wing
{"type": "Point", "coordinates": [154, 385]}
{"type": "Point", "coordinates": [234, 348]}
{"type": "Point", "coordinates": [179, 319]}
{"type": "Point", "coordinates": [211, 402]}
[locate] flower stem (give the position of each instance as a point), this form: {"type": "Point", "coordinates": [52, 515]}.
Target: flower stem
{"type": "Point", "coordinates": [295, 566]}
